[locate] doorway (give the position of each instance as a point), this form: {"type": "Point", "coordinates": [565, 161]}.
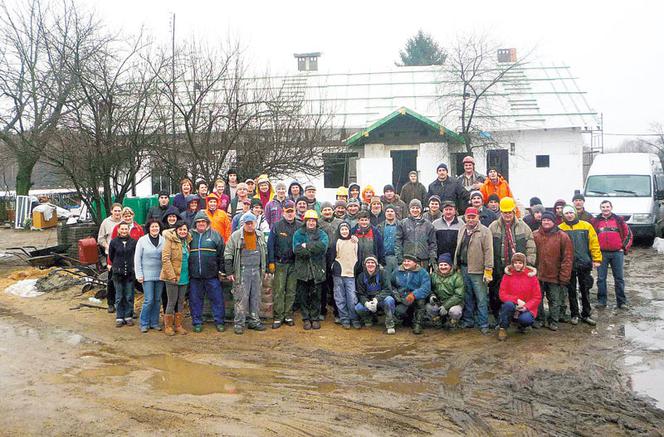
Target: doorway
{"type": "Point", "coordinates": [457, 163]}
{"type": "Point", "coordinates": [499, 158]}
{"type": "Point", "coordinates": [403, 162]}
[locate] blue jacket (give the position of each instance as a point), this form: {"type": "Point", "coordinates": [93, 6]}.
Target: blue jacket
{"type": "Point", "coordinates": [206, 254]}
{"type": "Point", "coordinates": [416, 281]}
{"type": "Point", "coordinates": [147, 258]}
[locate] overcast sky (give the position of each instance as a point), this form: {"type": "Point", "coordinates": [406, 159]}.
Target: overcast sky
{"type": "Point", "coordinates": [614, 48]}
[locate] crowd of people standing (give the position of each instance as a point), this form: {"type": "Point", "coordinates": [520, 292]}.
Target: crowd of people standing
{"type": "Point", "coordinates": [458, 253]}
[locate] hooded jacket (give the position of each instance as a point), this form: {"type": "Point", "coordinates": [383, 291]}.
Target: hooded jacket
{"type": "Point", "coordinates": [366, 198]}
{"type": "Point", "coordinates": [290, 193]}
{"type": "Point", "coordinates": [157, 212]}
{"type": "Point", "coordinates": [171, 256]}
{"type": "Point", "coordinates": [416, 281]}
{"type": "Point", "coordinates": [169, 210]}
{"type": "Point", "coordinates": [280, 242]}
{"type": "Point", "coordinates": [523, 239]}
{"type": "Point", "coordinates": [206, 255]}
{"type": "Point", "coordinates": [220, 222]}
{"type": "Point", "coordinates": [310, 260]}
{"type": "Point", "coordinates": [415, 236]}
{"type": "Point", "coordinates": [413, 190]}
{"type": "Point", "coordinates": [585, 243]}
{"type": "Point", "coordinates": [265, 198]}
{"type": "Point", "coordinates": [449, 289]}
{"type": "Point", "coordinates": [223, 200]}
{"type": "Point", "coordinates": [187, 215]}
{"type": "Point", "coordinates": [359, 195]}
{"type": "Point", "coordinates": [521, 285]}
{"type": "Point", "coordinates": [555, 255]}
{"type": "Point", "coordinates": [368, 286]}
{"type": "Point", "coordinates": [500, 189]}
{"type": "Point", "coordinates": [345, 254]}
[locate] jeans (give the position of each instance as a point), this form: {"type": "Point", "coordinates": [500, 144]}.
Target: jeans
{"type": "Point", "coordinates": [453, 313]}
{"type": "Point", "coordinates": [284, 287]}
{"type": "Point", "coordinates": [555, 295]}
{"type": "Point", "coordinates": [198, 289]}
{"type": "Point", "coordinates": [247, 296]}
{"type": "Point", "coordinates": [616, 261]}
{"type": "Point", "coordinates": [391, 266]}
{"type": "Point", "coordinates": [388, 304]}
{"type": "Point", "coordinates": [507, 310]}
{"type": "Point", "coordinates": [345, 298]}
{"type": "Point", "coordinates": [124, 298]}
{"type": "Point", "coordinates": [583, 278]}
{"type": "Point", "coordinates": [176, 295]}
{"type": "Point", "coordinates": [149, 317]}
{"type": "Point", "coordinates": [309, 292]}
{"type": "Point", "coordinates": [475, 306]}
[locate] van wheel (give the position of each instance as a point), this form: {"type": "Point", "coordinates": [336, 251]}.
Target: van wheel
{"type": "Point", "coordinates": [648, 241]}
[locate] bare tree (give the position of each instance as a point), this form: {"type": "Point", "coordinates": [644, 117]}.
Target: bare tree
{"type": "Point", "coordinates": [472, 98]}
{"type": "Point", "coordinates": [35, 84]}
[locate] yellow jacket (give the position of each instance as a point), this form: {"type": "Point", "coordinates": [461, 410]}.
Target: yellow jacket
{"type": "Point", "coordinates": [583, 236]}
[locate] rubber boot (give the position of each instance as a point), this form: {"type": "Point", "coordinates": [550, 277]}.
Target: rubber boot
{"type": "Point", "coordinates": [417, 320]}
{"type": "Point", "coordinates": [179, 317]}
{"type": "Point", "coordinates": [168, 324]}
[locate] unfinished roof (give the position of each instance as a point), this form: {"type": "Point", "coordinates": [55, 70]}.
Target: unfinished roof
{"type": "Point", "coordinates": [532, 96]}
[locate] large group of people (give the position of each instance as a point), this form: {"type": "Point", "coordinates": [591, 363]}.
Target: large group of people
{"type": "Point", "coordinates": [455, 254]}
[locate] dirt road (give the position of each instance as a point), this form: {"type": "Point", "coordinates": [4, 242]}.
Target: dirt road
{"type": "Point", "coordinates": [70, 372]}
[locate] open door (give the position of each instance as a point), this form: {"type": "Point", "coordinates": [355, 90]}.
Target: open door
{"type": "Point", "coordinates": [403, 162]}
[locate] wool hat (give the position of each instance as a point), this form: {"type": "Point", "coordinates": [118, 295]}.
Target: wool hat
{"type": "Point", "coordinates": [493, 197]}
{"type": "Point", "coordinates": [549, 215]}
{"type": "Point", "coordinates": [578, 196]}
{"type": "Point", "coordinates": [411, 257]}
{"type": "Point", "coordinates": [559, 202]}
{"type": "Point", "coordinates": [200, 215]}
{"type": "Point", "coordinates": [372, 258]}
{"type": "Point", "coordinates": [519, 257]}
{"type": "Point", "coordinates": [256, 202]}
{"type": "Point", "coordinates": [415, 202]}
{"type": "Point", "coordinates": [163, 193]}
{"type": "Point", "coordinates": [326, 204]}
{"type": "Point", "coordinates": [289, 204]}
{"type": "Point", "coordinates": [476, 193]}
{"type": "Point", "coordinates": [375, 199]}
{"type": "Point", "coordinates": [247, 217]}
{"type": "Point", "coordinates": [191, 198]}
{"type": "Point", "coordinates": [441, 165]}
{"type": "Point", "coordinates": [250, 180]}
{"type": "Point", "coordinates": [363, 214]}
{"type": "Point", "coordinates": [231, 171]}
{"type": "Point", "coordinates": [568, 208]}
{"type": "Point", "coordinates": [445, 258]}
{"type": "Point", "coordinates": [280, 184]}
{"type": "Point", "coordinates": [535, 201]}
{"type": "Point", "coordinates": [388, 187]}
{"type": "Point", "coordinates": [412, 172]}
{"type": "Point", "coordinates": [339, 203]}
{"type": "Point", "coordinates": [355, 201]}
{"type": "Point", "coordinates": [262, 179]}
{"type": "Point", "coordinates": [435, 198]}
{"type": "Point", "coordinates": [344, 224]}
{"type": "Point", "coordinates": [537, 208]}
{"type": "Point", "coordinates": [468, 159]}
{"type": "Point", "coordinates": [390, 206]}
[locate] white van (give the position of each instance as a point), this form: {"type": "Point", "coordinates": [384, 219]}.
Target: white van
{"type": "Point", "coordinates": [634, 183]}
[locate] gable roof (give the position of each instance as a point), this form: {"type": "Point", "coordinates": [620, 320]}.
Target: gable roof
{"type": "Point", "coordinates": [444, 133]}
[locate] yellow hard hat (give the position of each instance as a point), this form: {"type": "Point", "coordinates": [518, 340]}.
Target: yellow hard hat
{"type": "Point", "coordinates": [507, 204]}
{"type": "Point", "coordinates": [342, 191]}
{"type": "Point", "coordinates": [310, 214]}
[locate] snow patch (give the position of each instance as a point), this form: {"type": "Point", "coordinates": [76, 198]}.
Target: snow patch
{"type": "Point", "coordinates": [24, 288]}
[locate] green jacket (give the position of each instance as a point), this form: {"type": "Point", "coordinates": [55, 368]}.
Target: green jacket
{"type": "Point", "coordinates": [449, 289]}
{"type": "Point", "coordinates": [523, 240]}
{"type": "Point", "coordinates": [310, 261]}
{"type": "Point", "coordinates": [233, 252]}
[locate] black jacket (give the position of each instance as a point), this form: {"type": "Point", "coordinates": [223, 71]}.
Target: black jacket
{"type": "Point", "coordinates": [121, 254]}
{"type": "Point", "coordinates": [452, 190]}
{"type": "Point", "coordinates": [280, 242]}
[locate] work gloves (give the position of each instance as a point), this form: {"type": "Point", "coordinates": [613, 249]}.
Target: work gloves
{"type": "Point", "coordinates": [372, 305]}
{"type": "Point", "coordinates": [271, 267]}
{"type": "Point", "coordinates": [488, 276]}
{"type": "Point", "coordinates": [410, 298]}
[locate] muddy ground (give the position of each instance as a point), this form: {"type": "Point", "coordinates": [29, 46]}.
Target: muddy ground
{"type": "Point", "coordinates": [71, 372]}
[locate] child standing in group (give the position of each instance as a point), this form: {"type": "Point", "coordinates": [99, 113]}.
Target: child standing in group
{"type": "Point", "coordinates": [343, 276]}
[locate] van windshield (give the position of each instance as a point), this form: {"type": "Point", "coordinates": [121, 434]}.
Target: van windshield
{"type": "Point", "coordinates": [618, 186]}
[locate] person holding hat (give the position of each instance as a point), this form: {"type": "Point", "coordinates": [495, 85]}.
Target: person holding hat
{"type": "Point", "coordinates": [376, 215]}
{"type": "Point", "coordinates": [219, 220]}
{"type": "Point", "coordinates": [579, 202]}
{"type": "Point", "coordinates": [388, 229]}
{"type": "Point", "coordinates": [447, 188]}
{"type": "Point", "coordinates": [295, 191]}
{"type": "Point", "coordinates": [281, 262]}
{"type": "Point", "coordinates": [447, 292]}
{"type": "Point", "coordinates": [246, 207]}
{"type": "Point", "coordinates": [486, 215]}
{"type": "Point", "coordinates": [416, 236]}
{"type": "Point", "coordinates": [206, 264]}
{"type": "Point", "coordinates": [587, 255]}
{"type": "Point", "coordinates": [474, 257]}
{"type": "Point", "coordinates": [265, 192]}
{"type": "Point", "coordinates": [390, 197]}
{"type": "Point", "coordinates": [534, 219]}
{"type": "Point", "coordinates": [412, 286]}
{"type": "Point", "coordinates": [520, 295]}
{"type": "Point", "coordinates": [373, 291]}
{"type": "Point", "coordinates": [555, 255]}
{"type": "Point", "coordinates": [275, 207]}
{"type": "Point", "coordinates": [310, 195]}
{"type": "Point", "coordinates": [495, 184]}
{"type": "Point", "coordinates": [345, 254]}
{"type": "Point", "coordinates": [447, 229]}
{"type": "Point", "coordinates": [413, 189]}
{"type": "Point", "coordinates": [434, 212]}
{"type": "Point", "coordinates": [470, 179]}
{"type": "Point", "coordinates": [330, 224]}
{"type": "Point", "coordinates": [245, 258]}
{"type": "Point", "coordinates": [510, 235]}
{"type": "Point", "coordinates": [157, 212]}
{"type": "Point", "coordinates": [352, 209]}
{"type": "Point", "coordinates": [310, 246]}
{"type": "Point", "coordinates": [340, 209]}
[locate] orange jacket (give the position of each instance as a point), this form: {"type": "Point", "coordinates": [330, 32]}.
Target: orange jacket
{"type": "Point", "coordinates": [501, 189]}
{"type": "Point", "coordinates": [220, 222]}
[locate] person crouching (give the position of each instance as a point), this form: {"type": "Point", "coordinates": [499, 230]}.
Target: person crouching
{"type": "Point", "coordinates": [373, 290]}
{"type": "Point", "coordinates": [412, 285]}
{"type": "Point", "coordinates": [520, 294]}
{"type": "Point", "coordinates": [447, 293]}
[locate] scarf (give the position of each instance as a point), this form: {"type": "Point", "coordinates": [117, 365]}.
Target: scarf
{"type": "Point", "coordinates": [509, 246]}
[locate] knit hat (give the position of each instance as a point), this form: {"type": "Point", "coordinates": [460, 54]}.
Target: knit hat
{"type": "Point", "coordinates": [289, 204]}
{"type": "Point", "coordinates": [441, 165]}
{"type": "Point", "coordinates": [375, 199]}
{"type": "Point", "coordinates": [190, 198]}
{"type": "Point", "coordinates": [339, 203]}
{"type": "Point", "coordinates": [371, 258]}
{"type": "Point", "coordinates": [415, 202]}
{"type": "Point", "coordinates": [200, 215]}
{"type": "Point", "coordinates": [301, 199]}
{"type": "Point", "coordinates": [435, 198]}
{"type": "Point", "coordinates": [255, 202]}
{"type": "Point", "coordinates": [445, 258]}
{"type": "Point", "coordinates": [568, 208]}
{"type": "Point", "coordinates": [262, 179]}
{"type": "Point", "coordinates": [363, 214]}
{"type": "Point", "coordinates": [535, 201]}
{"type": "Point", "coordinates": [344, 224]}
{"type": "Point", "coordinates": [231, 171]}
{"type": "Point", "coordinates": [249, 180]}
{"type": "Point", "coordinates": [537, 208]}
{"type": "Point", "coordinates": [559, 202]}
{"type": "Point", "coordinates": [448, 203]}
{"type": "Point", "coordinates": [476, 193]}
{"type": "Point", "coordinates": [494, 197]}
{"type": "Point", "coordinates": [280, 185]}
{"type": "Point", "coordinates": [549, 215]}
{"type": "Point", "coordinates": [412, 172]}
{"type": "Point", "coordinates": [247, 217]}
{"type": "Point", "coordinates": [388, 187]}
{"type": "Point", "coordinates": [389, 206]}
{"type": "Point", "coordinates": [326, 204]}
{"type": "Point", "coordinates": [578, 196]}
{"type": "Point", "coordinates": [353, 201]}
{"type": "Point", "coordinates": [519, 257]}
{"type": "Point", "coordinates": [163, 193]}
{"type": "Point", "coordinates": [411, 257]}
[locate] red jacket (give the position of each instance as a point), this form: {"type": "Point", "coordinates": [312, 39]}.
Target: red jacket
{"type": "Point", "coordinates": [613, 233]}
{"type": "Point", "coordinates": [521, 285]}
{"type": "Point", "coordinates": [135, 232]}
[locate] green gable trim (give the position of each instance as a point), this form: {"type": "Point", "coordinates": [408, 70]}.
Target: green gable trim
{"type": "Point", "coordinates": [361, 136]}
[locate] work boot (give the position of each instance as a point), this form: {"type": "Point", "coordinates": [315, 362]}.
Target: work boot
{"type": "Point", "coordinates": [391, 331]}
{"type": "Point", "coordinates": [257, 327]}
{"type": "Point", "coordinates": [418, 315]}
{"type": "Point", "coordinates": [238, 329]}
{"type": "Point", "coordinates": [624, 307]}
{"type": "Point", "coordinates": [417, 329]}
{"type": "Point", "coordinates": [179, 317]}
{"type": "Point", "coordinates": [357, 324]}
{"type": "Point", "coordinates": [502, 334]}
{"type": "Point", "coordinates": [111, 309]}
{"type": "Point", "coordinates": [290, 322]}
{"type": "Point", "coordinates": [168, 324]}
{"type": "Point", "coordinates": [119, 323]}
{"type": "Point", "coordinates": [589, 321]}
{"type": "Point", "coordinates": [315, 324]}
{"type": "Point", "coordinates": [198, 328]}
{"type": "Point", "coordinates": [220, 327]}
{"type": "Point", "coordinates": [553, 326]}
{"type": "Point", "coordinates": [129, 321]}
{"type": "Point", "coordinates": [574, 321]}
{"type": "Point", "coordinates": [276, 324]}
{"type": "Point", "coordinates": [307, 325]}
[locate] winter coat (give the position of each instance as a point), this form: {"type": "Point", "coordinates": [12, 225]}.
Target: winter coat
{"type": "Point", "coordinates": [180, 202]}
{"type": "Point", "coordinates": [413, 190]}
{"type": "Point", "coordinates": [220, 222]}
{"type": "Point", "coordinates": [450, 189]}
{"type": "Point", "coordinates": [171, 256]}
{"type": "Point", "coordinates": [135, 231]}
{"type": "Point", "coordinates": [389, 233]}
{"type": "Point", "coordinates": [359, 195]}
{"type": "Point", "coordinates": [479, 252]}
{"type": "Point", "coordinates": [156, 213]}
{"type": "Point", "coordinates": [449, 289]}
{"type": "Point", "coordinates": [147, 258]}
{"type": "Point", "coordinates": [233, 254]}
{"type": "Point", "coordinates": [223, 200]}
{"type": "Point", "coordinates": [446, 235]}
{"type": "Point", "coordinates": [585, 216]}
{"type": "Point", "coordinates": [206, 254]}
{"type": "Point", "coordinates": [487, 216]}
{"type": "Point", "coordinates": [400, 207]}
{"type": "Point", "coordinates": [555, 256]}
{"type": "Point", "coordinates": [467, 183]}
{"type": "Point", "coordinates": [315, 205]}
{"type": "Point", "coordinates": [169, 210]}
{"type": "Point", "coordinates": [330, 227]}
{"type": "Point", "coordinates": [188, 217]}
{"type": "Point", "coordinates": [370, 243]}
{"type": "Point", "coordinates": [274, 210]}
{"type": "Point", "coordinates": [432, 217]}
{"type": "Point", "coordinates": [531, 222]}
{"type": "Point", "coordinates": [416, 237]}
{"type": "Point", "coordinates": [416, 281]}
{"type": "Point", "coordinates": [376, 220]}
{"type": "Point", "coordinates": [613, 233]}
{"type": "Point", "coordinates": [280, 242]}
{"type": "Point", "coordinates": [521, 285]}
{"type": "Point", "coordinates": [523, 239]}
{"type": "Point", "coordinates": [500, 189]}
{"type": "Point", "coordinates": [368, 287]}
{"type": "Point", "coordinates": [290, 194]}
{"type": "Point", "coordinates": [121, 257]}
{"type": "Point", "coordinates": [310, 260]}
{"type": "Point", "coordinates": [585, 243]}
{"type": "Point", "coordinates": [266, 198]}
